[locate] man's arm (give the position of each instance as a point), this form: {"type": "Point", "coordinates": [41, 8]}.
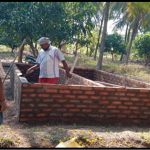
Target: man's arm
{"type": "Point", "coordinates": [30, 70]}
{"type": "Point", "coordinates": [66, 68]}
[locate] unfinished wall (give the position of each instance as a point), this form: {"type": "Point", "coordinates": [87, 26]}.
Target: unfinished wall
{"type": "Point", "coordinates": [45, 102]}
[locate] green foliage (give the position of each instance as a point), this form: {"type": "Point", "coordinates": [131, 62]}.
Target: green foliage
{"type": "Point", "coordinates": [114, 44]}
{"type": "Point", "coordinates": [142, 46]}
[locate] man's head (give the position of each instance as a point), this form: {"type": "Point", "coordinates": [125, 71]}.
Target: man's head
{"type": "Point", "coordinates": [44, 42]}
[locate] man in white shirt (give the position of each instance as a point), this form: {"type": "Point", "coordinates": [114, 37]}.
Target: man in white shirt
{"type": "Point", "coordinates": [48, 61]}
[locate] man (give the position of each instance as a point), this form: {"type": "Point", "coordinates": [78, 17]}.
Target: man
{"type": "Point", "coordinates": [48, 62]}
{"type": "Point", "coordinates": [3, 105]}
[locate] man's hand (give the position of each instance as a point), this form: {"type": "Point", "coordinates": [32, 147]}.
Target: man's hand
{"type": "Point", "coordinates": [3, 106]}
{"type": "Point", "coordinates": [29, 71]}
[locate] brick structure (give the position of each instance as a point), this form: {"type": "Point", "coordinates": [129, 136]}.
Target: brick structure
{"type": "Point", "coordinates": [81, 100]}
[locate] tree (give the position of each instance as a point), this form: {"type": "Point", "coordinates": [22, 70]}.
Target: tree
{"type": "Point", "coordinates": [99, 64]}
{"type": "Point", "coordinates": [142, 46]}
{"type": "Point", "coordinates": [114, 44]}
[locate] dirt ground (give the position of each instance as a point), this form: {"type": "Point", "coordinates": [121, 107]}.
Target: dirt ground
{"type": "Point", "coordinates": [15, 134]}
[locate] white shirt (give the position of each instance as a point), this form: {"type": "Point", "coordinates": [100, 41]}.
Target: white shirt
{"type": "Point", "coordinates": [49, 62]}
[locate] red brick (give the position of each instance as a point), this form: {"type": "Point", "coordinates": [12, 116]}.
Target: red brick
{"type": "Point", "coordinates": [77, 92]}
{"type": "Point", "coordinates": [124, 98]}
{"type": "Point", "coordinates": [103, 93]}
{"type": "Point", "coordinates": [51, 90]}
{"type": "Point", "coordinates": [42, 105]}
{"type": "Point", "coordinates": [135, 99]}
{"type": "Point", "coordinates": [22, 115]}
{"type": "Point", "coordinates": [143, 117]}
{"type": "Point", "coordinates": [142, 95]}
{"type": "Point", "coordinates": [74, 87]}
{"type": "Point", "coordinates": [139, 104]}
{"type": "Point", "coordinates": [114, 111]}
{"type": "Point", "coordinates": [74, 101]}
{"type": "Point", "coordinates": [90, 92]}
{"type": "Point", "coordinates": [112, 98]}
{"type": "Point", "coordinates": [32, 95]}
{"type": "Point", "coordinates": [64, 91]}
{"type": "Point", "coordinates": [61, 109]}
{"type": "Point", "coordinates": [55, 105]}
{"type": "Point", "coordinates": [81, 106]}
{"type": "Point", "coordinates": [87, 110]}
{"type": "Point", "coordinates": [144, 90]}
{"type": "Point", "coordinates": [80, 115]}
{"type": "Point", "coordinates": [143, 107]}
{"type": "Point", "coordinates": [147, 104]}
{"type": "Point", "coordinates": [68, 105]}
{"type": "Point", "coordinates": [128, 103]}
{"type": "Point", "coordinates": [110, 89]}
{"type": "Point", "coordinates": [37, 99]}
{"type": "Point", "coordinates": [136, 121]}
{"type": "Point", "coordinates": [103, 102]}
{"type": "Point", "coordinates": [36, 85]}
{"type": "Point", "coordinates": [121, 116]}
{"type": "Point", "coordinates": [93, 106]}
{"type": "Point", "coordinates": [102, 111]}
{"type": "Point", "coordinates": [25, 119]}
{"type": "Point", "coordinates": [41, 115]}
{"type": "Point", "coordinates": [69, 96]}
{"type": "Point", "coordinates": [39, 119]}
{"type": "Point", "coordinates": [98, 88]}
{"type": "Point", "coordinates": [68, 114]}
{"type": "Point", "coordinates": [47, 100]}
{"type": "Point", "coordinates": [93, 115]}
{"type": "Point", "coordinates": [111, 116]}
{"type": "Point", "coordinates": [132, 116]}
{"type": "Point", "coordinates": [55, 114]}
{"type": "Point", "coordinates": [31, 105]}
{"type": "Point", "coordinates": [82, 96]}
{"type": "Point", "coordinates": [74, 110]}
{"type": "Point", "coordinates": [136, 112]}
{"type": "Point", "coordinates": [61, 87]}
{"type": "Point", "coordinates": [123, 107]}
{"type": "Point", "coordinates": [86, 88]}
{"type": "Point", "coordinates": [95, 97]}
{"type": "Point", "coordinates": [131, 94]}
{"type": "Point", "coordinates": [120, 94]}
{"type": "Point", "coordinates": [147, 112]}
{"type": "Point", "coordinates": [145, 99]}
{"type": "Point", "coordinates": [40, 90]}
{"type": "Point", "coordinates": [49, 86]}
{"type": "Point", "coordinates": [43, 95]}
{"type": "Point", "coordinates": [27, 100]}
{"type": "Point", "coordinates": [47, 109]}
{"type": "Point", "coordinates": [103, 97]}
{"type": "Point", "coordinates": [24, 95]}
{"type": "Point", "coordinates": [23, 104]}
{"type": "Point", "coordinates": [25, 85]}
{"type": "Point", "coordinates": [62, 100]}
{"type": "Point", "coordinates": [121, 89]}
{"type": "Point", "coordinates": [27, 110]}
{"type": "Point", "coordinates": [28, 90]}
{"type": "Point", "coordinates": [111, 106]}
{"type": "Point", "coordinates": [116, 102]}
{"type": "Point", "coordinates": [30, 115]}
{"type": "Point", "coordinates": [77, 119]}
{"type": "Point", "coordinates": [133, 90]}
{"type": "Point", "coordinates": [133, 107]}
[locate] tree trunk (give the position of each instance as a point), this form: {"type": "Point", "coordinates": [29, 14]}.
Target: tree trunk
{"type": "Point", "coordinates": [34, 50]}
{"type": "Point", "coordinates": [98, 39]}
{"type": "Point", "coordinates": [112, 56]}
{"type": "Point", "coordinates": [121, 57]}
{"type": "Point", "coordinates": [132, 38]}
{"type": "Point", "coordinates": [126, 34]}
{"type": "Point", "coordinates": [100, 59]}
{"type": "Point", "coordinates": [20, 55]}
{"type": "Point", "coordinates": [87, 51]}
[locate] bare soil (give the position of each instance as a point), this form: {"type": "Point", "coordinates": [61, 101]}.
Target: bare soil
{"type": "Point", "coordinates": [15, 134]}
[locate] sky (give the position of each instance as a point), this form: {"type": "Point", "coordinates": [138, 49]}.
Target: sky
{"type": "Point", "coordinates": [110, 26]}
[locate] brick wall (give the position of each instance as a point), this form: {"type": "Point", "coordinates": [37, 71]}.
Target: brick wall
{"type": "Point", "coordinates": [45, 102]}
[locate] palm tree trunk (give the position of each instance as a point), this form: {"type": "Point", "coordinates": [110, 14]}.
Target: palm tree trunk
{"type": "Point", "coordinates": [87, 51]}
{"type": "Point", "coordinates": [98, 39]}
{"type": "Point", "coordinates": [132, 38]}
{"type": "Point", "coordinates": [100, 59]}
{"type": "Point", "coordinates": [126, 34]}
